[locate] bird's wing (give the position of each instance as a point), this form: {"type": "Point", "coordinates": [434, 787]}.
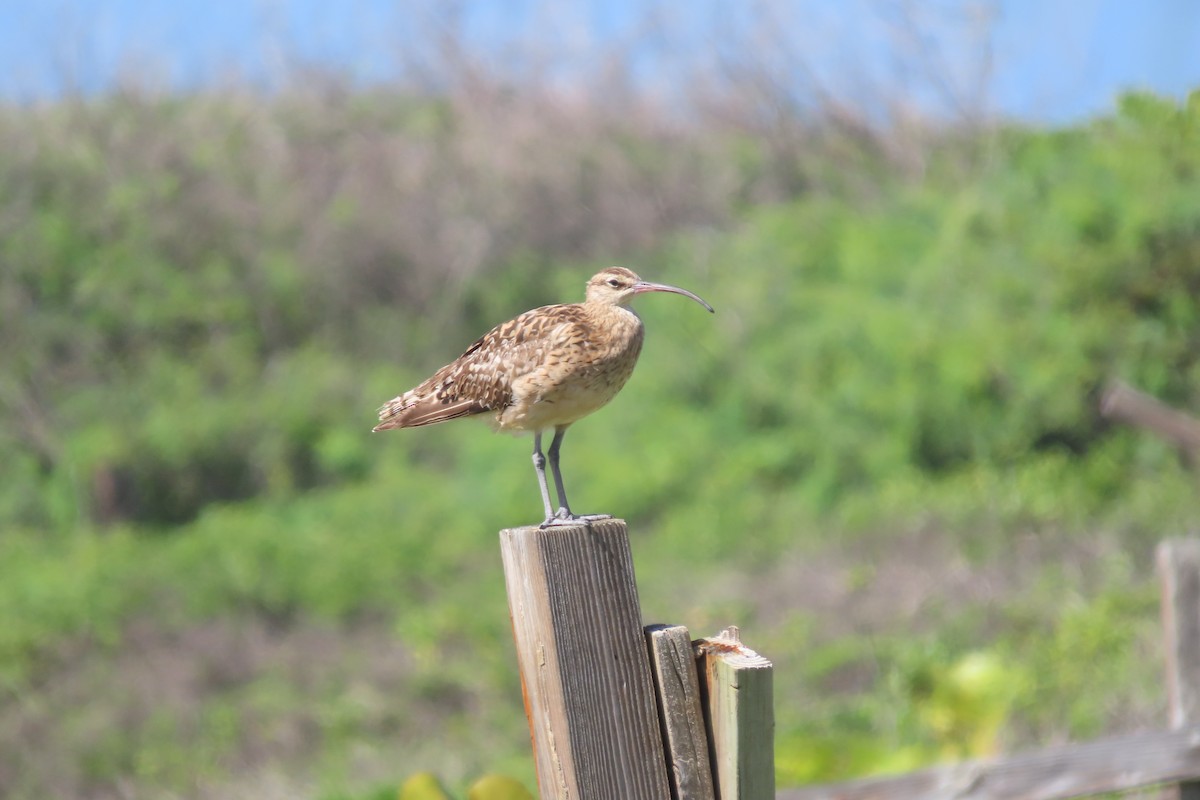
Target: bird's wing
{"type": "Point", "coordinates": [481, 379]}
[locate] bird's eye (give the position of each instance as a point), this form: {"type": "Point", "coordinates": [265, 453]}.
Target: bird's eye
{"type": "Point", "coordinates": [613, 282]}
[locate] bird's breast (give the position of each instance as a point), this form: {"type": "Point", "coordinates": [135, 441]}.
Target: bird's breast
{"type": "Point", "coordinates": [578, 376]}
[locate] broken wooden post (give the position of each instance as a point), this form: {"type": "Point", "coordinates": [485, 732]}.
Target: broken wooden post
{"type": "Point", "coordinates": [582, 656]}
{"type": "Point", "coordinates": [1179, 573]}
{"type": "Point", "coordinates": [738, 697]}
{"type": "Point", "coordinates": [679, 712]}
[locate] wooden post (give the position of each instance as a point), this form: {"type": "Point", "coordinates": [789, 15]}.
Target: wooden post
{"type": "Point", "coordinates": [679, 712]}
{"type": "Point", "coordinates": [1122, 402]}
{"type": "Point", "coordinates": [584, 672]}
{"type": "Point", "coordinates": [1179, 573]}
{"type": "Point", "coordinates": [737, 690]}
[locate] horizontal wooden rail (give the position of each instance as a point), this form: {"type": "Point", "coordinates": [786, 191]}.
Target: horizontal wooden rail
{"type": "Point", "coordinates": [1107, 765]}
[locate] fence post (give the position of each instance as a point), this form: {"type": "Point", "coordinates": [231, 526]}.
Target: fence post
{"type": "Point", "coordinates": [736, 685]}
{"type": "Point", "coordinates": [1179, 573]}
{"type": "Point", "coordinates": [582, 656]}
{"type": "Point", "coordinates": [679, 711]}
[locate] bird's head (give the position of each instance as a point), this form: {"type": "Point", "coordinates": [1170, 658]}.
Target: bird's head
{"type": "Point", "coordinates": [616, 286]}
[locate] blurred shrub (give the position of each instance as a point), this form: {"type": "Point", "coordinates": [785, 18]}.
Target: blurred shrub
{"type": "Point", "coordinates": [203, 298]}
{"type": "Point", "coordinates": [199, 293]}
{"type": "Point", "coordinates": [943, 708]}
{"type": "Point", "coordinates": [166, 261]}
{"type": "Point", "coordinates": [966, 321]}
{"type": "Point", "coordinates": [425, 786]}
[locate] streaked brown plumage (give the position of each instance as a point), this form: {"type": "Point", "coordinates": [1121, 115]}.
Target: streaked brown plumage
{"type": "Point", "coordinates": [544, 369]}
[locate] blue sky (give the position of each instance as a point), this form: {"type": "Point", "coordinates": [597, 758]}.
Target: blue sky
{"type": "Point", "coordinates": [1055, 60]}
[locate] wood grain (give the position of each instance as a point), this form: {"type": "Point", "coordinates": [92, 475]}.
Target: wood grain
{"type": "Point", "coordinates": [679, 714]}
{"type": "Point", "coordinates": [1106, 765]}
{"type": "Point", "coordinates": [737, 688]}
{"type": "Point", "coordinates": [580, 647]}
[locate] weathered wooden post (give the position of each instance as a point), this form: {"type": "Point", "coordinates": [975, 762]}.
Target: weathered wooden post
{"type": "Point", "coordinates": [584, 672]}
{"type": "Point", "coordinates": [737, 687]}
{"type": "Point", "coordinates": [680, 712]}
{"type": "Point", "coordinates": [1179, 572]}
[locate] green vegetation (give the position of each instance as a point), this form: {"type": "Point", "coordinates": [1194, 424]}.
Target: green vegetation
{"type": "Point", "coordinates": [882, 457]}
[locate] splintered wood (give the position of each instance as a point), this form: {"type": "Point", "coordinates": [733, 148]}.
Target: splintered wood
{"type": "Point", "coordinates": [737, 688]}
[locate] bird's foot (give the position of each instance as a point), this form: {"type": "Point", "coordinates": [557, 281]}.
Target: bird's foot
{"type": "Point", "coordinates": [565, 517]}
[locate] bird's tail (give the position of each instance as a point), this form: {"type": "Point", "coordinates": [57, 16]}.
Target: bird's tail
{"type": "Point", "coordinates": [391, 413]}
{"type": "Point", "coordinates": [414, 409]}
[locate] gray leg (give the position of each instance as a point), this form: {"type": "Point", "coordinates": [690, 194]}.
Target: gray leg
{"type": "Point", "coordinates": [564, 514]}
{"type": "Point", "coordinates": [564, 508]}
{"type": "Point", "coordinates": [539, 466]}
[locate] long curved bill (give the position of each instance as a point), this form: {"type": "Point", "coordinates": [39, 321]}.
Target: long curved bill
{"type": "Point", "coordinates": [647, 286]}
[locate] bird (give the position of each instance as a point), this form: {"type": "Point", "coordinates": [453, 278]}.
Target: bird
{"type": "Point", "coordinates": [543, 370]}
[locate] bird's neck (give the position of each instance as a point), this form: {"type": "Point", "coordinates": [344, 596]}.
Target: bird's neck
{"type": "Point", "coordinates": [611, 311]}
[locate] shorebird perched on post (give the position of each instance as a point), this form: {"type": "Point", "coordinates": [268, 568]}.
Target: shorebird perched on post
{"type": "Point", "coordinates": [545, 369]}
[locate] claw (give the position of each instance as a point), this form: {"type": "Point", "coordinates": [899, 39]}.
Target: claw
{"type": "Point", "coordinates": [563, 516]}
{"type": "Point", "coordinates": [558, 520]}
